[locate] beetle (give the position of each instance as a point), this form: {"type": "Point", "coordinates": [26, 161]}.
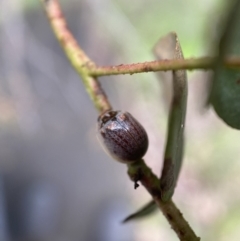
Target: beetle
{"type": "Point", "coordinates": [122, 136]}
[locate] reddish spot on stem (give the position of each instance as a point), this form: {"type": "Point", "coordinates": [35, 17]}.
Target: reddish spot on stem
{"type": "Point", "coordinates": [56, 15]}
{"type": "Point", "coordinates": [238, 81]}
{"type": "Point", "coordinates": [147, 69]}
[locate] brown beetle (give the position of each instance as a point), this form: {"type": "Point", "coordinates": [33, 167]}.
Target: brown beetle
{"type": "Point", "coordinates": [122, 135]}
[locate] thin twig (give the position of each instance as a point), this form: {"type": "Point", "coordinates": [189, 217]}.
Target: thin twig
{"type": "Point", "coordinates": [139, 171]}
{"type": "Point", "coordinates": [203, 63]}
{"type": "Point", "coordinates": [84, 66]}
{"type": "Point", "coordinates": [75, 54]}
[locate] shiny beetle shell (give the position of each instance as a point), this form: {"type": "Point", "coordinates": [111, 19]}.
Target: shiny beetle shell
{"type": "Point", "coordinates": [122, 136]}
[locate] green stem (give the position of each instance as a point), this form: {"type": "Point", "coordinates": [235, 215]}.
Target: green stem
{"type": "Point", "coordinates": [204, 63]}
{"type": "Point", "coordinates": [75, 54]}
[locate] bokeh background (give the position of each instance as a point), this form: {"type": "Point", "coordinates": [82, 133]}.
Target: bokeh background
{"type": "Point", "coordinates": [56, 183]}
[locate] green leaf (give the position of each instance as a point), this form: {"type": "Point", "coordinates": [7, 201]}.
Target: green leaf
{"type": "Point", "coordinates": [226, 96]}
{"type": "Point", "coordinates": [146, 210]}
{"type": "Point", "coordinates": [169, 47]}
{"type": "Point", "coordinates": [225, 93]}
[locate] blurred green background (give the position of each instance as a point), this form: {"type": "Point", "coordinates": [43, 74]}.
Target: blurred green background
{"type": "Point", "coordinates": [56, 182]}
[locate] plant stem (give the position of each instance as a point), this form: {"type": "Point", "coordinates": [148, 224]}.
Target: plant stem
{"type": "Point", "coordinates": [163, 65]}
{"type": "Point", "coordinates": [139, 171]}
{"type": "Point", "coordinates": [75, 54]}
